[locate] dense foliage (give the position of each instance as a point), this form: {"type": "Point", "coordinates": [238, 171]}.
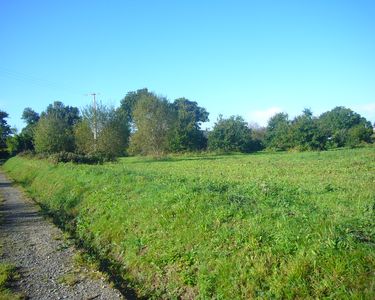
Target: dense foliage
{"type": "Point", "coordinates": [277, 132]}
{"type": "Point", "coordinates": [148, 124]}
{"type": "Point", "coordinates": [54, 131]}
{"type": "Point", "coordinates": [102, 130]}
{"type": "Point", "coordinates": [4, 133]}
{"type": "Point", "coordinates": [129, 102]}
{"type": "Point", "coordinates": [52, 135]}
{"type": "Point", "coordinates": [187, 134]}
{"type": "Point", "coordinates": [232, 134]}
{"type": "Point", "coordinates": [340, 127]}
{"type": "Point", "coordinates": [24, 141]}
{"type": "Point", "coordinates": [69, 115]}
{"type": "Point", "coordinates": [65, 157]}
{"type": "Point", "coordinates": [154, 118]}
{"type": "Point", "coordinates": [267, 226]}
{"type": "Point", "coordinates": [344, 127]}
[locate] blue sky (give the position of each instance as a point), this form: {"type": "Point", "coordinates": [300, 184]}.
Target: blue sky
{"type": "Point", "coordinates": [248, 58]}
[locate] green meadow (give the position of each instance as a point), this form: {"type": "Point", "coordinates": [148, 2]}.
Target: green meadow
{"type": "Point", "coordinates": [266, 225]}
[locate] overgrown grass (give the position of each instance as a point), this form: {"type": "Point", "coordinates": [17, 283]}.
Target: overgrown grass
{"type": "Point", "coordinates": [7, 274]}
{"type": "Point", "coordinates": [85, 266]}
{"type": "Point", "coordinates": [283, 225]}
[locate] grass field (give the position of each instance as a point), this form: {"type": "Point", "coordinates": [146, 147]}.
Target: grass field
{"type": "Point", "coordinates": [283, 225]}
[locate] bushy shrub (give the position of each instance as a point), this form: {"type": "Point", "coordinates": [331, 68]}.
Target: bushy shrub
{"type": "Point", "coordinates": [64, 157]}
{"type": "Point", "coordinates": [27, 153]}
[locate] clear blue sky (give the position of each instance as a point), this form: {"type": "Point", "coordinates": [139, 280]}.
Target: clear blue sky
{"type": "Point", "coordinates": [250, 58]}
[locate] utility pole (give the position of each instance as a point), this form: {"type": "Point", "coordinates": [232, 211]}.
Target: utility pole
{"type": "Point", "coordinates": [95, 120]}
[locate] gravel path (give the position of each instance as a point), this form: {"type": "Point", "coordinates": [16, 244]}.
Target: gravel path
{"type": "Point", "coordinates": [38, 250]}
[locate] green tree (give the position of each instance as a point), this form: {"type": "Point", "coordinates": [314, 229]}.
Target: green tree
{"type": "Point", "coordinates": [102, 130]}
{"type": "Point", "coordinates": [154, 118]}
{"type": "Point", "coordinates": [13, 144]}
{"type": "Point", "coordinates": [278, 132]}
{"type": "Point", "coordinates": [17, 143]}
{"type": "Point", "coordinates": [258, 135]}
{"type": "Point", "coordinates": [232, 134]}
{"type": "Point", "coordinates": [114, 137]}
{"type": "Point", "coordinates": [26, 137]}
{"type": "Point", "coordinates": [30, 116]}
{"type": "Point", "coordinates": [68, 114]}
{"type": "Point", "coordinates": [5, 131]}
{"type": "Point", "coordinates": [54, 130]}
{"type": "Point", "coordinates": [305, 134]}
{"type": "Point", "coordinates": [358, 134]}
{"type": "Point", "coordinates": [336, 124]}
{"type": "Point", "coordinates": [187, 135]}
{"type": "Point", "coordinates": [53, 134]}
{"type": "Point", "coordinates": [129, 102]}
{"type": "Point", "coordinates": [84, 137]}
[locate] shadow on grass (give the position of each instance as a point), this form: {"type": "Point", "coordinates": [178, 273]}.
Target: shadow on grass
{"type": "Point", "coordinates": [211, 157]}
{"type": "Point", "coordinates": [107, 266]}
{"type": "Point", "coordinates": [2, 161]}
{"type": "Point", "coordinates": [5, 184]}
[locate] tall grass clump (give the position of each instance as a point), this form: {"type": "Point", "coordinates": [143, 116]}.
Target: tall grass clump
{"type": "Point", "coordinates": [284, 225]}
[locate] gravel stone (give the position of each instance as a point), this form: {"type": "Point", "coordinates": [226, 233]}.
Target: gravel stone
{"type": "Point", "coordinates": [37, 248]}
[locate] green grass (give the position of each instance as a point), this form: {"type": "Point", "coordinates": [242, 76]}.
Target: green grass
{"type": "Point", "coordinates": [85, 266]}
{"type": "Point", "coordinates": [7, 274]}
{"type": "Point", "coordinates": [283, 225]}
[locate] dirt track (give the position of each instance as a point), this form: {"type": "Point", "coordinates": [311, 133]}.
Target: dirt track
{"type": "Point", "coordinates": [43, 258]}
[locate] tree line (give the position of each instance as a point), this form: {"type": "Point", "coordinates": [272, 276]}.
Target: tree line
{"type": "Point", "coordinates": [148, 124]}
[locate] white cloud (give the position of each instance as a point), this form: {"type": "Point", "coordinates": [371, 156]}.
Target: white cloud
{"type": "Point", "coordinates": [366, 108]}
{"type": "Point", "coordinates": [262, 116]}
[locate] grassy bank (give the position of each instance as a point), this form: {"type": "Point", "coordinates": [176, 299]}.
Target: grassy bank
{"type": "Point", "coordinates": [285, 225]}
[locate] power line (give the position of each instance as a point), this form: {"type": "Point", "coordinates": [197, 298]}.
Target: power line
{"type": "Point", "coordinates": [36, 81]}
